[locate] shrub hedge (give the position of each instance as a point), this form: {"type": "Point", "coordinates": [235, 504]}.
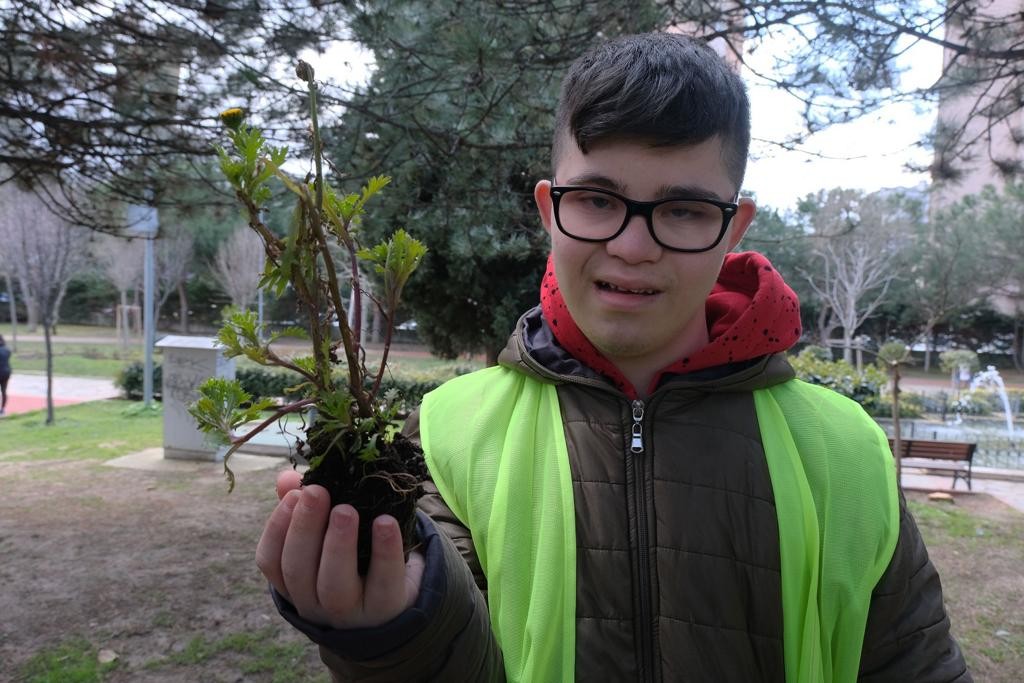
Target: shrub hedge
{"type": "Point", "coordinates": [274, 383]}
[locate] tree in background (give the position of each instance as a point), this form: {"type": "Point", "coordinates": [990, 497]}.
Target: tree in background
{"type": "Point", "coordinates": [120, 260]}
{"type": "Point", "coordinates": [238, 266]}
{"type": "Point", "coordinates": [784, 239]}
{"type": "Point", "coordinates": [949, 269]}
{"type": "Point", "coordinates": [458, 107]}
{"type": "Point", "coordinates": [46, 250]}
{"type": "Point", "coordinates": [174, 250]}
{"type": "Point", "coordinates": [858, 243]}
{"type": "Point", "coordinates": [1000, 219]}
{"type": "Point", "coordinates": [459, 111]}
{"type": "Point", "coordinates": [115, 95]}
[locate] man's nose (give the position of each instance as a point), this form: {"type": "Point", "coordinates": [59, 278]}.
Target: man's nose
{"type": "Point", "coordinates": [635, 243]}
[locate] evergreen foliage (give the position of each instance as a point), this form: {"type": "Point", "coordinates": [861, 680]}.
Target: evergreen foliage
{"type": "Point", "coordinates": [460, 112]}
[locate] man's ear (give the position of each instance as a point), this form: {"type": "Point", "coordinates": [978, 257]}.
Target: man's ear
{"type": "Point", "coordinates": [741, 221]}
{"type": "Point", "coordinates": [542, 196]}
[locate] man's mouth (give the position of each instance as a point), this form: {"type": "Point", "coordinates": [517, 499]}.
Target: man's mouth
{"type": "Point", "coordinates": [610, 287]}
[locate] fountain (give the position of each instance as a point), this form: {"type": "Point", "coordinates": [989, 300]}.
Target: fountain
{"type": "Point", "coordinates": [990, 377]}
{"type": "Point", "coordinates": [999, 446]}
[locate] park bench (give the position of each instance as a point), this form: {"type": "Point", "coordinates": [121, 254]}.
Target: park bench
{"type": "Point", "coordinates": [947, 456]}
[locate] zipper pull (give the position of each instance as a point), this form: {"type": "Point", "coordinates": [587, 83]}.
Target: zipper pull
{"type": "Point", "coordinates": [636, 444]}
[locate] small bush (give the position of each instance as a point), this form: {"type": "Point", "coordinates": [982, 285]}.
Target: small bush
{"type": "Point", "coordinates": [261, 382]}
{"type": "Point", "coordinates": [863, 387]}
{"type": "Point", "coordinates": [911, 405]}
{"type": "Point", "coordinates": [130, 380]}
{"type": "Point", "coordinates": [269, 383]}
{"type": "Point", "coordinates": [950, 361]}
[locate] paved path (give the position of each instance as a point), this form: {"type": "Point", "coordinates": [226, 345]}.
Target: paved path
{"type": "Point", "coordinates": [27, 392]}
{"type": "Point", "coordinates": [1010, 492]}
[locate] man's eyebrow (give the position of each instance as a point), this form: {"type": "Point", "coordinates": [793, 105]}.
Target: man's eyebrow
{"type": "Point", "coordinates": [602, 181]}
{"type": "Point", "coordinates": [596, 180]}
{"type": "Point", "coordinates": [693, 191]}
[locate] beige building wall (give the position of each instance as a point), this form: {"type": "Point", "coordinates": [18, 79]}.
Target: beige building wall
{"type": "Point", "coordinates": [987, 146]}
{"type": "Point", "coordinates": [1003, 141]}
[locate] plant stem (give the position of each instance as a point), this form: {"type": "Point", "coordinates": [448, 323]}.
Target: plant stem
{"type": "Point", "coordinates": [282, 363]}
{"type": "Point", "coordinates": [349, 341]}
{"type": "Point", "coordinates": [387, 348]}
{"type": "Point", "coordinates": [357, 303]}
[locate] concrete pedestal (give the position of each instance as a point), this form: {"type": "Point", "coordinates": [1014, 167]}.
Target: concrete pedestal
{"type": "Point", "coordinates": [188, 362]}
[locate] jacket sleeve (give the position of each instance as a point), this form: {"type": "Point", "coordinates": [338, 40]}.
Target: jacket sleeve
{"type": "Point", "coordinates": [445, 636]}
{"type": "Point", "coordinates": [907, 636]}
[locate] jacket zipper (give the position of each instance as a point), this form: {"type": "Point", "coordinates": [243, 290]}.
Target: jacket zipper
{"type": "Point", "coordinates": [648, 666]}
{"type": "Point", "coordinates": [636, 444]}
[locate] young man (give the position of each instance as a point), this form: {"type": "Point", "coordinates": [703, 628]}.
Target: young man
{"type": "Point", "coordinates": [641, 490]}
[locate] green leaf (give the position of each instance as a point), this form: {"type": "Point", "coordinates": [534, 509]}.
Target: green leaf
{"type": "Point", "coordinates": [240, 336]}
{"type": "Point", "coordinates": [369, 452]}
{"type": "Point", "coordinates": [290, 332]}
{"type": "Point", "coordinates": [396, 260]}
{"type": "Point", "coordinates": [219, 408]}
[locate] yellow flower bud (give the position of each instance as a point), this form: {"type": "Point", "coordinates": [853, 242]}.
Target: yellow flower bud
{"type": "Point", "coordinates": [232, 118]}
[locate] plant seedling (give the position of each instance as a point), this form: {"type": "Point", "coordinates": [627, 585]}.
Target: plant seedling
{"type": "Point", "coordinates": [353, 444]}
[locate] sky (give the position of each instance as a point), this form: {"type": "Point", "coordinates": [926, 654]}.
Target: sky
{"type": "Point", "coordinates": [869, 153]}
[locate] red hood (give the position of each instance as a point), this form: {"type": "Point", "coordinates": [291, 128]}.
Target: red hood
{"type": "Point", "coordinates": [751, 312]}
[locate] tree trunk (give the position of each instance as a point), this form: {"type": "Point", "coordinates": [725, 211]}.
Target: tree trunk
{"type": "Point", "coordinates": [897, 446]}
{"type": "Point", "coordinates": [929, 331]}
{"type": "Point", "coordinates": [847, 346]}
{"type": "Point", "coordinates": [123, 319]}
{"type": "Point", "coordinates": [14, 314]}
{"type": "Point", "coordinates": [1018, 344]}
{"type": "Point", "coordinates": [31, 308]}
{"type": "Point", "coordinates": [182, 308]}
{"type": "Point", "coordinates": [49, 372]}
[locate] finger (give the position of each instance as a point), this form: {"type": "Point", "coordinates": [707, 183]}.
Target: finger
{"type": "Point", "coordinates": [339, 587]}
{"type": "Point", "coordinates": [288, 480]}
{"type": "Point", "coordinates": [385, 592]}
{"type": "Point", "coordinates": [300, 557]}
{"type": "Point", "coordinates": [414, 568]}
{"type": "Point", "coordinates": [268, 550]}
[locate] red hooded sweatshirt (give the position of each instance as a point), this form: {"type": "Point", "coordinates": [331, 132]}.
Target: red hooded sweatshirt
{"type": "Point", "coordinates": [751, 312]}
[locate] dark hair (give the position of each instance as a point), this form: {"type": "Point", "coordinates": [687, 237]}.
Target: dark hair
{"type": "Point", "coordinates": [664, 88]}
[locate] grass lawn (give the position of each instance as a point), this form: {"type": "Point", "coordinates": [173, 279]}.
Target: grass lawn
{"type": "Point", "coordinates": [978, 547]}
{"type": "Point", "coordinates": [107, 359]}
{"type": "Point", "coordinates": [75, 359]}
{"type": "Point", "coordinates": [62, 331]}
{"type": "Point", "coordinates": [98, 430]}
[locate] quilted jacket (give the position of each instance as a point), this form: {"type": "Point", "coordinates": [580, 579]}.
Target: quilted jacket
{"type": "Point", "coordinates": [678, 566]}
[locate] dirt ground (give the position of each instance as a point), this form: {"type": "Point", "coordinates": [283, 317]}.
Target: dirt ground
{"type": "Point", "coordinates": [977, 545]}
{"type": "Point", "coordinates": [156, 567]}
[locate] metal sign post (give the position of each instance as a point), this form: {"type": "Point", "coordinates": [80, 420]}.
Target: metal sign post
{"type": "Point", "coordinates": [144, 222]}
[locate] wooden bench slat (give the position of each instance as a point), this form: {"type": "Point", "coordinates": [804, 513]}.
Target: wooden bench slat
{"type": "Point", "coordinates": [958, 455]}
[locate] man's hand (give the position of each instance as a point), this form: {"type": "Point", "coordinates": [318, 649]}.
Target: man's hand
{"type": "Point", "coordinates": [308, 553]}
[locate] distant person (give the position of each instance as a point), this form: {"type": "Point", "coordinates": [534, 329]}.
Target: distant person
{"type": "Point", "coordinates": [5, 373]}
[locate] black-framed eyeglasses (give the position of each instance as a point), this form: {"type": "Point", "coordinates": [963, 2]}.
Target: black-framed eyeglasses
{"type": "Point", "coordinates": [686, 224]}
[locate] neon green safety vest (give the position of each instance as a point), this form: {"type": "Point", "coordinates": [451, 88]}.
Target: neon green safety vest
{"type": "Point", "coordinates": [493, 435]}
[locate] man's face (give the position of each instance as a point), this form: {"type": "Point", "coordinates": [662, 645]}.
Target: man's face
{"type": "Point", "coordinates": [640, 304]}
